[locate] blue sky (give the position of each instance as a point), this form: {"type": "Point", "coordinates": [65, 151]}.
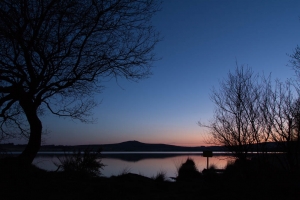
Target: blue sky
{"type": "Point", "coordinates": [202, 40]}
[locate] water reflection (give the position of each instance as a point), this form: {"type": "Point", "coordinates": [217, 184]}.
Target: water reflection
{"type": "Point", "coordinates": [146, 164]}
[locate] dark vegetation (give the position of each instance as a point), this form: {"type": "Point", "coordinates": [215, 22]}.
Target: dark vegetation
{"type": "Point", "coordinates": [252, 112]}
{"type": "Point", "coordinates": [188, 171]}
{"type": "Point", "coordinates": [56, 54]}
{"type": "Point", "coordinates": [87, 163]}
{"type": "Point", "coordinates": [160, 176]}
{"type": "Point", "coordinates": [239, 180]}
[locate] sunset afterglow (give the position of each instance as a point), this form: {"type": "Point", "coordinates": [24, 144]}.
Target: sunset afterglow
{"type": "Point", "coordinates": [202, 41]}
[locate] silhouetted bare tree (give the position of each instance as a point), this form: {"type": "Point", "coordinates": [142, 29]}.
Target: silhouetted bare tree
{"type": "Point", "coordinates": [282, 115]}
{"type": "Point", "coordinates": [237, 123]}
{"type": "Point", "coordinates": [54, 54]}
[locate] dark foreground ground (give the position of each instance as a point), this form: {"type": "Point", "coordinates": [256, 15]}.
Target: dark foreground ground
{"type": "Point", "coordinates": [34, 183]}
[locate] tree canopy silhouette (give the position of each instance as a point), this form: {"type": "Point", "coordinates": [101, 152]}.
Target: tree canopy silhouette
{"type": "Point", "coordinates": [237, 123]}
{"type": "Point", "coordinates": [54, 54]}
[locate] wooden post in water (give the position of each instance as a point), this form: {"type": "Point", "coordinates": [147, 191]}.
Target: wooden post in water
{"type": "Point", "coordinates": [207, 154]}
{"type": "Point", "coordinates": [207, 162]}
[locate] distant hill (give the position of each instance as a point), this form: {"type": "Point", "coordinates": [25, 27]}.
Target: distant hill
{"type": "Point", "coordinates": [146, 147]}
{"type": "Point", "coordinates": [139, 146]}
{"type": "Point", "coordinates": [129, 146]}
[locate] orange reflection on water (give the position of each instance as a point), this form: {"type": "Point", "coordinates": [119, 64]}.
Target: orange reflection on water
{"type": "Point", "coordinates": [151, 166]}
{"type": "Point", "coordinates": [138, 164]}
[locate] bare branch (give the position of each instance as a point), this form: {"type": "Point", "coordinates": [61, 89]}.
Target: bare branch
{"type": "Point", "coordinates": [60, 50]}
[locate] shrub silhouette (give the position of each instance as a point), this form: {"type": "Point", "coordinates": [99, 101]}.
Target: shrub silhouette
{"type": "Point", "coordinates": [160, 176]}
{"type": "Point", "coordinates": [242, 168]}
{"type": "Point", "coordinates": [211, 171]}
{"type": "Point", "coordinates": [86, 163]}
{"type": "Point", "coordinates": [188, 171]}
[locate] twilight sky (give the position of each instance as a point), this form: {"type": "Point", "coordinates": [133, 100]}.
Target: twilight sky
{"type": "Point", "coordinates": [203, 39]}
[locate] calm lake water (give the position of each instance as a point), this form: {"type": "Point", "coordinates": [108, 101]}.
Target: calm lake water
{"type": "Point", "coordinates": [146, 164]}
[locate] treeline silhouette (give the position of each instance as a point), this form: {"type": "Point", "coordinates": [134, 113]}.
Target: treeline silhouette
{"type": "Point", "coordinates": [255, 114]}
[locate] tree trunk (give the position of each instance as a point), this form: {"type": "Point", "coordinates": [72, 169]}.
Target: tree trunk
{"type": "Point", "coordinates": [34, 143]}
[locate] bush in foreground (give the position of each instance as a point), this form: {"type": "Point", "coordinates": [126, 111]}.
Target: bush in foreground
{"type": "Point", "coordinates": [188, 171]}
{"type": "Point", "coordinates": [160, 176]}
{"type": "Point", "coordinates": [87, 163]}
